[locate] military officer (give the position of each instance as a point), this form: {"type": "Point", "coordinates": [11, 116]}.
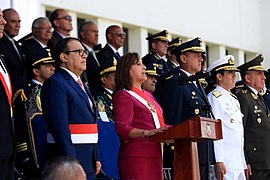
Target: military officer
{"type": "Point", "coordinates": [158, 44]}
{"type": "Point", "coordinates": [152, 76]}
{"type": "Point", "coordinates": [256, 119]}
{"type": "Point", "coordinates": [172, 62]}
{"type": "Point", "coordinates": [108, 139]}
{"type": "Point", "coordinates": [229, 151]}
{"type": "Point", "coordinates": [188, 99]}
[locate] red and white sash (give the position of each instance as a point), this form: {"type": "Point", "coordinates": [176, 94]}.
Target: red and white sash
{"type": "Point", "coordinates": [80, 134]}
{"type": "Point", "coordinates": [5, 79]}
{"type": "Point", "coordinates": [145, 100]}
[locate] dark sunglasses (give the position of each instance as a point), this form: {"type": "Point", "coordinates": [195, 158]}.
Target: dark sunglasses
{"type": "Point", "coordinates": [68, 17]}
{"type": "Point", "coordinates": [120, 34]}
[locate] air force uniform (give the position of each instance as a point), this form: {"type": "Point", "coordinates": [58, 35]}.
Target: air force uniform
{"type": "Point", "coordinates": [225, 106]}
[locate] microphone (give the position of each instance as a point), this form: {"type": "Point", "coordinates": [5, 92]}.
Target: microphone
{"type": "Point", "coordinates": [184, 80]}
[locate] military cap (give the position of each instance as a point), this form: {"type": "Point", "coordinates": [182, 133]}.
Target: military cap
{"type": "Point", "coordinates": [226, 63]}
{"type": "Point", "coordinates": [109, 67]}
{"type": "Point", "coordinates": [160, 36]}
{"type": "Point", "coordinates": [194, 45]}
{"type": "Point", "coordinates": [253, 65]}
{"type": "Point", "coordinates": [174, 43]}
{"type": "Point", "coordinates": [151, 69]}
{"type": "Point", "coordinates": [42, 57]}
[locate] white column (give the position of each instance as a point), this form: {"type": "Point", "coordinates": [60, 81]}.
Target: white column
{"type": "Point", "coordinates": [137, 41]}
{"type": "Point", "coordinates": [215, 52]}
{"type": "Point", "coordinates": [74, 32]}
{"type": "Point", "coordinates": [28, 10]}
{"type": "Point", "coordinates": [239, 56]}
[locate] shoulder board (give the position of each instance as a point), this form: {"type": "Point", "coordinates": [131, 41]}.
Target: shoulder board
{"type": "Point", "coordinates": [216, 93]}
{"type": "Point", "coordinates": [167, 78]}
{"type": "Point", "coordinates": [156, 56]}
{"type": "Point", "coordinates": [239, 86]}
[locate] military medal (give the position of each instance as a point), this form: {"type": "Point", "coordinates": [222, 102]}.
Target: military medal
{"type": "Point", "coordinates": [152, 107]}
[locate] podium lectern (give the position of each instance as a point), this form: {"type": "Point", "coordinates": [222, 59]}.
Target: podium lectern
{"type": "Point", "coordinates": [185, 136]}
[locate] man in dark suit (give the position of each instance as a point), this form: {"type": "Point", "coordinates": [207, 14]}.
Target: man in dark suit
{"type": "Point", "coordinates": [41, 34]}
{"type": "Point", "coordinates": [88, 33]}
{"type": "Point", "coordinates": [188, 99]}
{"type": "Point", "coordinates": [158, 44]}
{"type": "Point", "coordinates": [115, 39]}
{"type": "Point", "coordinates": [61, 23]}
{"type": "Point", "coordinates": [69, 109]}
{"type": "Point", "coordinates": [11, 50]}
{"type": "Point", "coordinates": [256, 118]}
{"type": "Point", "coordinates": [7, 142]}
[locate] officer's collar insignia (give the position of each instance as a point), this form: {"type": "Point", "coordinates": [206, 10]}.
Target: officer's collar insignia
{"type": "Point", "coordinates": [216, 93]}
{"type": "Point", "coordinates": [254, 96]}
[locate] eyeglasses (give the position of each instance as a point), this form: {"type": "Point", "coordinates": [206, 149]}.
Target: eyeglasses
{"type": "Point", "coordinates": [80, 51]}
{"type": "Point", "coordinates": [120, 34]}
{"type": "Point", "coordinates": [44, 28]}
{"type": "Point", "coordinates": [68, 18]}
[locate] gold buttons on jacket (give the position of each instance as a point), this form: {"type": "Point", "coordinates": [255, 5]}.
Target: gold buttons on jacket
{"type": "Point", "coordinates": [259, 120]}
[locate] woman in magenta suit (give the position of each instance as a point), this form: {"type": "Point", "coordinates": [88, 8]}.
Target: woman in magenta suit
{"type": "Point", "coordinates": [137, 116]}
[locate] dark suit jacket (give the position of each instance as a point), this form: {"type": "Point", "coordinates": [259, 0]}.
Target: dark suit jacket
{"type": "Point", "coordinates": [7, 141]}
{"type": "Point", "coordinates": [92, 73]}
{"type": "Point", "coordinates": [106, 55]}
{"type": "Point", "coordinates": [63, 103]}
{"type": "Point", "coordinates": [54, 40]}
{"type": "Point", "coordinates": [256, 128]}
{"type": "Point", "coordinates": [15, 64]}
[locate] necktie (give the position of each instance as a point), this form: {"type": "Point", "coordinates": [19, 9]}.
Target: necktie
{"type": "Point", "coordinates": [117, 55]}
{"type": "Point", "coordinates": [15, 47]}
{"type": "Point", "coordinates": [79, 81]}
{"type": "Point", "coordinates": [94, 55]}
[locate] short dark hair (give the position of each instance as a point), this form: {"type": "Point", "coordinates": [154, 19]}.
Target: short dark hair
{"type": "Point", "coordinates": [109, 30]}
{"type": "Point", "coordinates": [82, 27]}
{"type": "Point", "coordinates": [54, 15]}
{"type": "Point", "coordinates": [61, 47]}
{"type": "Point", "coordinates": [122, 75]}
{"type": "Point", "coordinates": [60, 168]}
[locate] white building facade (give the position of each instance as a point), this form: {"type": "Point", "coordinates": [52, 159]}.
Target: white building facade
{"type": "Point", "coordinates": [237, 27]}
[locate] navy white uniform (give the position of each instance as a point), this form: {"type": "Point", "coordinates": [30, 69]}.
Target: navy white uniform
{"type": "Point", "coordinates": [230, 149]}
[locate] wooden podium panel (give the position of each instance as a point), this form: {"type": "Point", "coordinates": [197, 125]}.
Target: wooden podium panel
{"type": "Point", "coordinates": [185, 136]}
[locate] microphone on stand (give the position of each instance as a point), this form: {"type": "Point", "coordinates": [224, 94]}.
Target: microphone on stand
{"type": "Point", "coordinates": [182, 80]}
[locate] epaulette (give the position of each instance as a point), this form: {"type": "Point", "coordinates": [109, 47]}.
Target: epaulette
{"type": "Point", "coordinates": [156, 56]}
{"type": "Point", "coordinates": [20, 93]}
{"type": "Point", "coordinates": [216, 93]}
{"type": "Point", "coordinates": [167, 78]}
{"type": "Point", "coordinates": [239, 86]}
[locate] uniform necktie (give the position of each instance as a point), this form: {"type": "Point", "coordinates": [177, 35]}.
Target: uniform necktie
{"type": "Point", "coordinates": [16, 48]}
{"type": "Point", "coordinates": [94, 55]}
{"type": "Point", "coordinates": [79, 81]}
{"type": "Point", "coordinates": [117, 55]}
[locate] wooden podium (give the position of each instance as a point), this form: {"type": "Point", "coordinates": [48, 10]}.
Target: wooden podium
{"type": "Point", "coordinates": [185, 136]}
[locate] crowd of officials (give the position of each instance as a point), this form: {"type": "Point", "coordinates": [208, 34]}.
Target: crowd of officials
{"type": "Point", "coordinates": [71, 109]}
